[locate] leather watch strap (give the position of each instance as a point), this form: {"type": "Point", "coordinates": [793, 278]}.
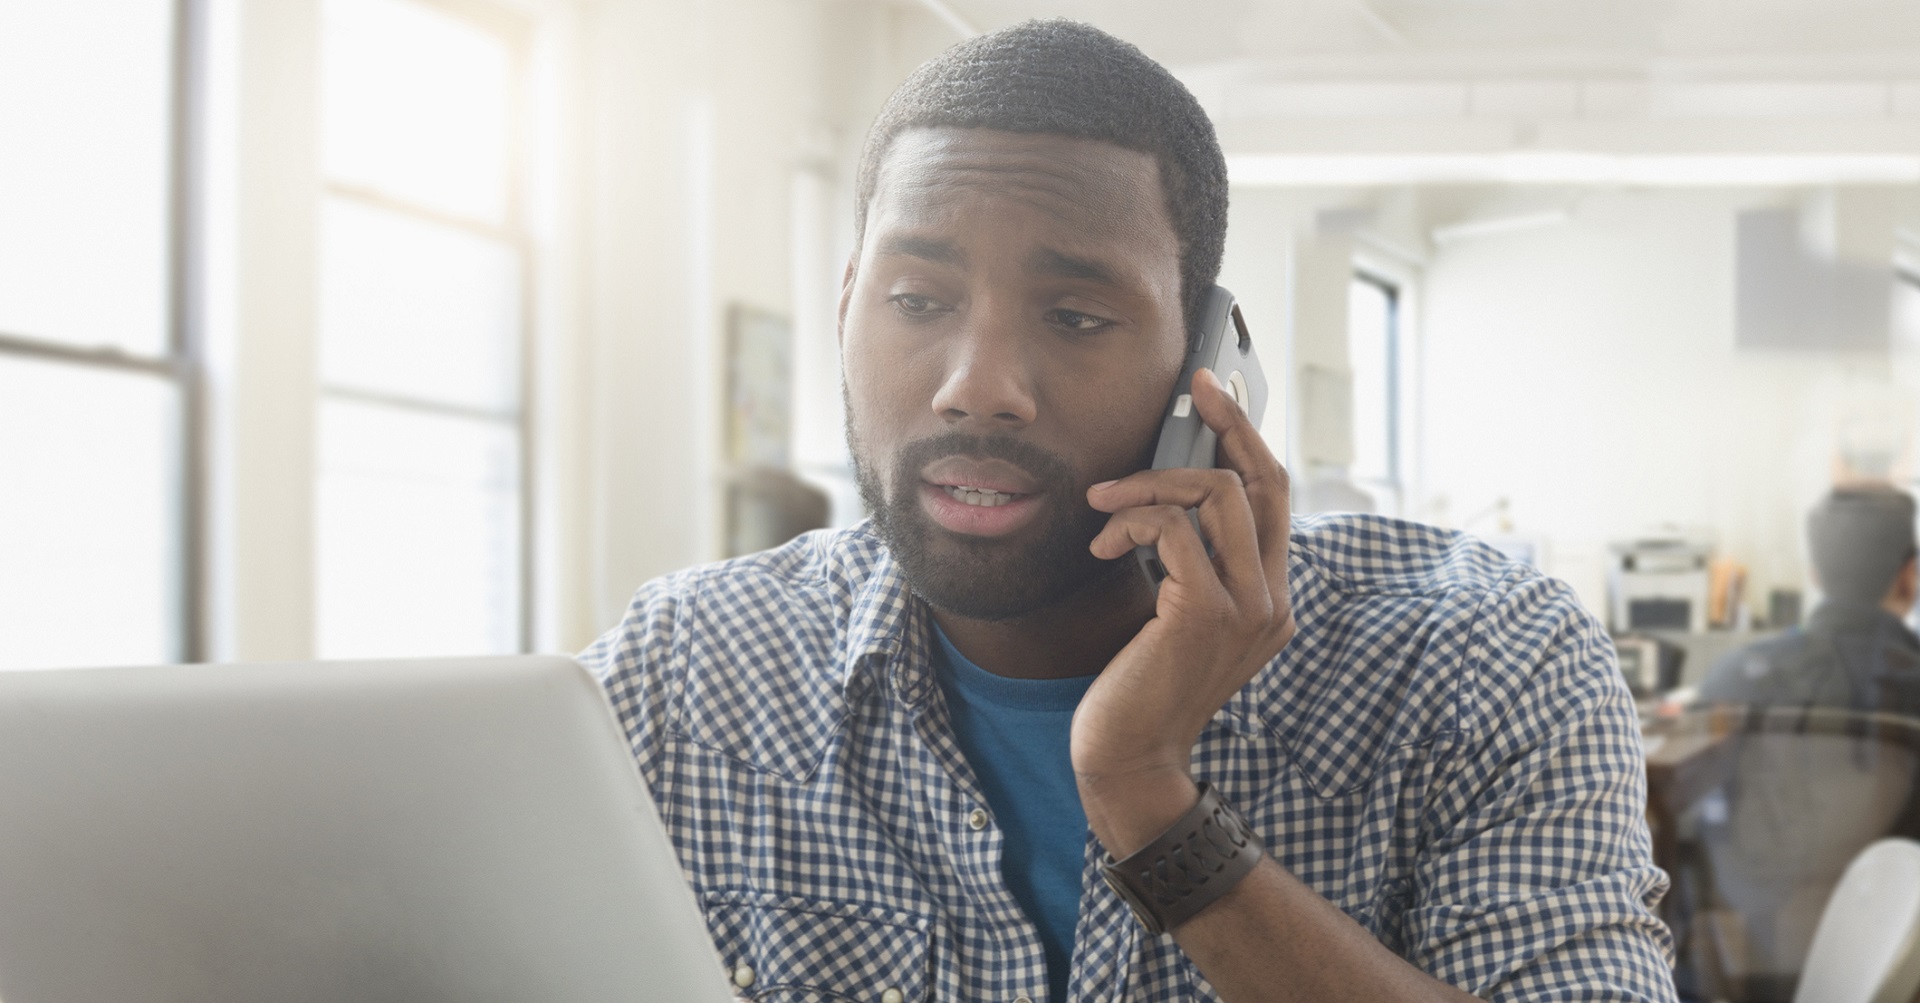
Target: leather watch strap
{"type": "Point", "coordinates": [1189, 867]}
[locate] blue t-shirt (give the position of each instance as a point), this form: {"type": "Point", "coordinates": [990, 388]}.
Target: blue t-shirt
{"type": "Point", "coordinates": [1014, 733]}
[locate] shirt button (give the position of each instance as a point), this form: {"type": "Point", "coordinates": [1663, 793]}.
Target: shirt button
{"type": "Point", "coordinates": [743, 976]}
{"type": "Point", "coordinates": [893, 996]}
{"type": "Point", "coordinates": [978, 820]}
{"type": "Point", "coordinates": [1023, 999]}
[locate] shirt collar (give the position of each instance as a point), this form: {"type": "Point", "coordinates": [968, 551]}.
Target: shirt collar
{"type": "Point", "coordinates": [886, 636]}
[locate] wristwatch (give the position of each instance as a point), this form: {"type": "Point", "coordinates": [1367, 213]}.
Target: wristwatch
{"type": "Point", "coordinates": [1191, 865]}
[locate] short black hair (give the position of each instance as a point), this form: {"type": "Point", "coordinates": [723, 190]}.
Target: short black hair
{"type": "Point", "coordinates": [1071, 79]}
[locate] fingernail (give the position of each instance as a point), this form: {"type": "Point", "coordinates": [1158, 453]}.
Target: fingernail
{"type": "Point", "coordinates": [1103, 485]}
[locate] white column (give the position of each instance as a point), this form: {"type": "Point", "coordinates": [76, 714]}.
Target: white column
{"type": "Point", "coordinates": [261, 306]}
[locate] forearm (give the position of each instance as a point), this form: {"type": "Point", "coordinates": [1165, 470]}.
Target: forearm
{"type": "Point", "coordinates": [1274, 939]}
{"type": "Point", "coordinates": [1271, 938]}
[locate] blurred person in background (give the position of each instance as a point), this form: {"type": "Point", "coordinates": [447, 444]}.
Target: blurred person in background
{"type": "Point", "coordinates": [1856, 650]}
{"type": "Point", "coordinates": [1809, 790]}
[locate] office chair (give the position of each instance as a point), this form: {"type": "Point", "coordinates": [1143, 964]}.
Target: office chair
{"type": "Point", "coordinates": [1867, 946]}
{"type": "Point", "coordinates": [1779, 808]}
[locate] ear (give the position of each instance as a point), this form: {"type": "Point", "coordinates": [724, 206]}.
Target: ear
{"type": "Point", "coordinates": [846, 297]}
{"type": "Point", "coordinates": [1907, 582]}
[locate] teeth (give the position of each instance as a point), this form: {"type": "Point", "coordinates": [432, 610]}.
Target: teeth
{"type": "Point", "coordinates": [984, 497]}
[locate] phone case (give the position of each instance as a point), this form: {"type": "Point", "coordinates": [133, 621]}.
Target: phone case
{"type": "Point", "coordinates": [1185, 440]}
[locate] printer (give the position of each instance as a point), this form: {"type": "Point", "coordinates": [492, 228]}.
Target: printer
{"type": "Point", "coordinates": [1659, 582]}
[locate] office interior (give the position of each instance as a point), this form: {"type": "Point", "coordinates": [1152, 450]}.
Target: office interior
{"type": "Point", "coordinates": [356, 328]}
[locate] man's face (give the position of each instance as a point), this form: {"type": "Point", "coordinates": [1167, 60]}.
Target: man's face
{"type": "Point", "coordinates": [1012, 326]}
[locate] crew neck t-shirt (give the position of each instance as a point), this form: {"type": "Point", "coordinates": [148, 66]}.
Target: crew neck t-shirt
{"type": "Point", "coordinates": [1014, 733]}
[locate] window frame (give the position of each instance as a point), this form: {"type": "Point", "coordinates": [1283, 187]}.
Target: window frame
{"type": "Point", "coordinates": [1393, 289]}
{"type": "Point", "coordinates": [515, 230]}
{"type": "Point", "coordinates": [183, 363]}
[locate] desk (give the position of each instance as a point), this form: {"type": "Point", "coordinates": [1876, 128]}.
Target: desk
{"type": "Point", "coordinates": [1686, 758]}
{"type": "Point", "coordinates": [1703, 651]}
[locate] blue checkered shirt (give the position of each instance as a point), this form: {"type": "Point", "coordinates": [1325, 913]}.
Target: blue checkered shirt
{"type": "Point", "coordinates": [1445, 751]}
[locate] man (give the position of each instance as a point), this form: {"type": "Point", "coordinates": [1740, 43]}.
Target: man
{"type": "Point", "coordinates": [1810, 791]}
{"type": "Point", "coordinates": [896, 759]}
{"type": "Point", "coordinates": [1855, 652]}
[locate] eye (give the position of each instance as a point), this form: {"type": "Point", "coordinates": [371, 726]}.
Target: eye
{"type": "Point", "coordinates": [1077, 322]}
{"type": "Point", "coordinates": [915, 305]}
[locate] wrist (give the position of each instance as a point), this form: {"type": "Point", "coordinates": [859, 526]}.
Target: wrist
{"type": "Point", "coordinates": [1127, 812]}
{"type": "Point", "coordinates": [1198, 861]}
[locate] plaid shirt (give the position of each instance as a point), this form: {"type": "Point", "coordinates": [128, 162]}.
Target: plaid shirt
{"type": "Point", "coordinates": [1445, 751]}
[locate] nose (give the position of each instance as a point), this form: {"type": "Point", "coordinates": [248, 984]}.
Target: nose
{"type": "Point", "coordinates": [989, 379]}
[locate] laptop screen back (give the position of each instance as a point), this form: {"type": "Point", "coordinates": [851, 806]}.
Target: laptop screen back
{"type": "Point", "coordinates": [423, 830]}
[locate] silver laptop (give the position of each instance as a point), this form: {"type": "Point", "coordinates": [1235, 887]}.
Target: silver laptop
{"type": "Point", "coordinates": [422, 830]}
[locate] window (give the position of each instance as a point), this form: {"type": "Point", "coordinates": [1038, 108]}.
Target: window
{"type": "Point", "coordinates": [1373, 351]}
{"type": "Point", "coordinates": [98, 385]}
{"type": "Point", "coordinates": [422, 275]}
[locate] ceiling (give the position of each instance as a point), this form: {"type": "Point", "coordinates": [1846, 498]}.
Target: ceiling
{"type": "Point", "coordinates": [1834, 83]}
{"type": "Point", "coordinates": [1493, 37]}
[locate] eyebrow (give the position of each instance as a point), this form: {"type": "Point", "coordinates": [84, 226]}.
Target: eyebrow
{"type": "Point", "coordinates": [1043, 262]}
{"type": "Point", "coordinates": [1066, 266]}
{"type": "Point", "coordinates": [927, 248]}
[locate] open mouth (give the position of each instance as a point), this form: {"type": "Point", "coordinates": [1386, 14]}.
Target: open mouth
{"type": "Point", "coordinates": [982, 497]}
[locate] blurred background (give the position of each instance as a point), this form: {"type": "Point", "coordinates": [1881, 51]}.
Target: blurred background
{"type": "Point", "coordinates": [365, 327]}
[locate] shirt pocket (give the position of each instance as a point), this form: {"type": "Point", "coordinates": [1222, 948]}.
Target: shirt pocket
{"type": "Point", "coordinates": [788, 950]}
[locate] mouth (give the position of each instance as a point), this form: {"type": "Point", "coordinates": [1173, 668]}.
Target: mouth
{"type": "Point", "coordinates": [978, 497]}
{"type": "Point", "coordinates": [968, 494]}
{"type": "Point", "coordinates": [982, 480]}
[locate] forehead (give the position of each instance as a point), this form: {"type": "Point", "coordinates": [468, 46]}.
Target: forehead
{"type": "Point", "coordinates": [1100, 192]}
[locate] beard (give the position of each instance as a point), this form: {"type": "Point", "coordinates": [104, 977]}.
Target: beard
{"type": "Point", "coordinates": [985, 578]}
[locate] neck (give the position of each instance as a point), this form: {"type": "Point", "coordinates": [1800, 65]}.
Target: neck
{"type": "Point", "coordinates": [1077, 636]}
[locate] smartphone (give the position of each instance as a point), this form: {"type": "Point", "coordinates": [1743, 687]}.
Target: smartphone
{"type": "Point", "coordinates": [1185, 441]}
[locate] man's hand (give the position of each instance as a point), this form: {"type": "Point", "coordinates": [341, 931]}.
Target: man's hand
{"type": "Point", "coordinates": [1217, 622]}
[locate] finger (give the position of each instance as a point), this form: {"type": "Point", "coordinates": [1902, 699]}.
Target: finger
{"type": "Point", "coordinates": [1187, 487]}
{"type": "Point", "coordinates": [1267, 486]}
{"type": "Point", "coordinates": [1226, 516]}
{"type": "Point", "coordinates": [1167, 528]}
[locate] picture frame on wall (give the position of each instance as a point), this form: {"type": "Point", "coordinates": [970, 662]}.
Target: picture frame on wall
{"type": "Point", "coordinates": [767, 504]}
{"type": "Point", "coordinates": [759, 421]}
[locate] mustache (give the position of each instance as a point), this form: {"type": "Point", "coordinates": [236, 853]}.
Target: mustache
{"type": "Point", "coordinates": [1050, 469]}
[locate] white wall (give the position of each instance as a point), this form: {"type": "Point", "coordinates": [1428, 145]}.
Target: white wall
{"type": "Point", "coordinates": [1258, 267]}
{"type": "Point", "coordinates": [666, 186]}
{"type": "Point", "coordinates": [1587, 372]}
{"type": "Point", "coordinates": [718, 172]}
